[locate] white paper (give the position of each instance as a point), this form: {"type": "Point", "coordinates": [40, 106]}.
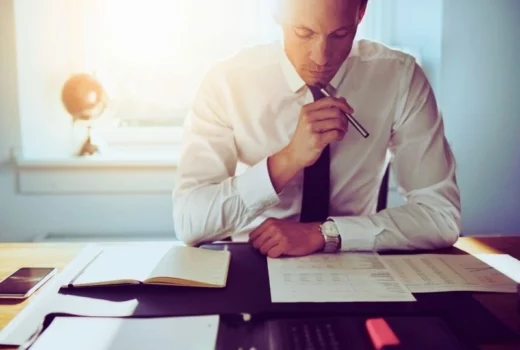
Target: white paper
{"type": "Point", "coordinates": [83, 333]}
{"type": "Point", "coordinates": [342, 277]}
{"type": "Point", "coordinates": [424, 273]}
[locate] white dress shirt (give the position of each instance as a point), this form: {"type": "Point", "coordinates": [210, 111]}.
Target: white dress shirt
{"type": "Point", "coordinates": [247, 109]}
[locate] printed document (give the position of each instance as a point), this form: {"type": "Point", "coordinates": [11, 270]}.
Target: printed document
{"type": "Point", "coordinates": [424, 273]}
{"type": "Point", "coordinates": [341, 277]}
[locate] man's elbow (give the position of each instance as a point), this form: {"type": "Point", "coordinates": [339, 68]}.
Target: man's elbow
{"type": "Point", "coordinates": [188, 240]}
{"type": "Point", "coordinates": [436, 238]}
{"type": "Point", "coordinates": [184, 231]}
{"type": "Point", "coordinates": [449, 238]}
{"type": "Point", "coordinates": [181, 223]}
{"type": "Point", "coordinates": [189, 232]}
{"type": "Point", "coordinates": [195, 239]}
{"type": "Point", "coordinates": [441, 229]}
{"type": "Point", "coordinates": [188, 236]}
{"type": "Point", "coordinates": [449, 228]}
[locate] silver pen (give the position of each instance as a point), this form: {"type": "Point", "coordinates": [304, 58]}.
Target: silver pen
{"type": "Point", "coordinates": [350, 118]}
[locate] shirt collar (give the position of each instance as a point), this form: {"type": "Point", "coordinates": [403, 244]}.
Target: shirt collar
{"type": "Point", "coordinates": [294, 80]}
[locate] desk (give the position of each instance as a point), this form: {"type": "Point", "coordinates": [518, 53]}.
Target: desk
{"type": "Point", "coordinates": [15, 255]}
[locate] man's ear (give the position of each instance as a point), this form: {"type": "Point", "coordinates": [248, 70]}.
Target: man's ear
{"type": "Point", "coordinates": [361, 14]}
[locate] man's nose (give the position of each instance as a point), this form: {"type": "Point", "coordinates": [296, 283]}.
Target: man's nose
{"type": "Point", "coordinates": [320, 52]}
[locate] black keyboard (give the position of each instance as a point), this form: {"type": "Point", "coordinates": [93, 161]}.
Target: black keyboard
{"type": "Point", "coordinates": [317, 334]}
{"type": "Point", "coordinates": [333, 333]}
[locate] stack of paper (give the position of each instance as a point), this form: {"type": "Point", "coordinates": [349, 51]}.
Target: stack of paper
{"type": "Point", "coordinates": [349, 277]}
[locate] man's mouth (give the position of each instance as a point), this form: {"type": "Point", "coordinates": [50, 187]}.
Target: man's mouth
{"type": "Point", "coordinates": [320, 72]}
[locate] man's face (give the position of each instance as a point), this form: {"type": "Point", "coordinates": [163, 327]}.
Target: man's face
{"type": "Point", "coordinates": [318, 35]}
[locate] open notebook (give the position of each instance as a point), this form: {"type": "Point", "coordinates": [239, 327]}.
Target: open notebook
{"type": "Point", "coordinates": [155, 263]}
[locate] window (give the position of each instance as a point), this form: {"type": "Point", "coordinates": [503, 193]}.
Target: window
{"type": "Point", "coordinates": [154, 53]}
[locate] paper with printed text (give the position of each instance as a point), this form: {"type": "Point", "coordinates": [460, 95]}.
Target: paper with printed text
{"type": "Point", "coordinates": [343, 277]}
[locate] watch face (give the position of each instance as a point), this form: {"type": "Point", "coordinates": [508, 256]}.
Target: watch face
{"type": "Point", "coordinates": [331, 235]}
{"type": "Point", "coordinates": [330, 229]}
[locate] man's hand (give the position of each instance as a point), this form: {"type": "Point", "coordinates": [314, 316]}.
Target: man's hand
{"type": "Point", "coordinates": [275, 237]}
{"type": "Point", "coordinates": [320, 123]}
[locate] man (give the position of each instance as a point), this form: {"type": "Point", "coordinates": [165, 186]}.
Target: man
{"type": "Point", "coordinates": [308, 185]}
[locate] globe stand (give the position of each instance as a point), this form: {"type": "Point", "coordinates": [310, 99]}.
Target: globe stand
{"type": "Point", "coordinates": [88, 148]}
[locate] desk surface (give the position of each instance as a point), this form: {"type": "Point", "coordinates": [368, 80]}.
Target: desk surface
{"type": "Point", "coordinates": [16, 255]}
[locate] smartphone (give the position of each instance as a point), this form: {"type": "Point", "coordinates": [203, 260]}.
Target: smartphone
{"type": "Point", "coordinates": [25, 281]}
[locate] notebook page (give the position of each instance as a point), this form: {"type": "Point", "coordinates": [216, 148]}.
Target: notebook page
{"type": "Point", "coordinates": [133, 261]}
{"type": "Point", "coordinates": [195, 264]}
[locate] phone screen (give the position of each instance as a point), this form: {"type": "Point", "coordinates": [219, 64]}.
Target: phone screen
{"type": "Point", "coordinates": [23, 280]}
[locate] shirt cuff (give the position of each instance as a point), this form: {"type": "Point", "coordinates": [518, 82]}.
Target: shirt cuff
{"type": "Point", "coordinates": [357, 233]}
{"type": "Point", "coordinates": [255, 188]}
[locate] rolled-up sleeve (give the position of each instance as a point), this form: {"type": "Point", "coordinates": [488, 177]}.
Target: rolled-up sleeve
{"type": "Point", "coordinates": [209, 201]}
{"type": "Point", "coordinates": [424, 168]}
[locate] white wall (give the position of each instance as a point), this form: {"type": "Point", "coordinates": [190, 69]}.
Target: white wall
{"type": "Point", "coordinates": [418, 25]}
{"type": "Point", "coordinates": [473, 70]}
{"type": "Point", "coordinates": [481, 100]}
{"type": "Point", "coordinates": [23, 217]}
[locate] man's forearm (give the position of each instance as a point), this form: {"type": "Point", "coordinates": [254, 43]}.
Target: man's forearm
{"type": "Point", "coordinates": [217, 210]}
{"type": "Point", "coordinates": [408, 227]}
{"type": "Point", "coordinates": [282, 169]}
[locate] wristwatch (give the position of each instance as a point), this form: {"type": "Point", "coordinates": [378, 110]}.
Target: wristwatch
{"type": "Point", "coordinates": [330, 233]}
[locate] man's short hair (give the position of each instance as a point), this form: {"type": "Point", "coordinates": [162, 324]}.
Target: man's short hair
{"type": "Point", "coordinates": [277, 7]}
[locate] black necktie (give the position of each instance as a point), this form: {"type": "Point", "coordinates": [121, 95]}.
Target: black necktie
{"type": "Point", "coordinates": [316, 183]}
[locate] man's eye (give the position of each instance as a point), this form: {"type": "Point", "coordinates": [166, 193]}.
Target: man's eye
{"type": "Point", "coordinates": [341, 34]}
{"type": "Point", "coordinates": [303, 33]}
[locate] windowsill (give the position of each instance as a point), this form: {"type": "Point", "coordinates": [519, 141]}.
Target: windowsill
{"type": "Point", "coordinates": [96, 175]}
{"type": "Point", "coordinates": [96, 162]}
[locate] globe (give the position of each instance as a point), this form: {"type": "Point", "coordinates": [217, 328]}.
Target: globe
{"type": "Point", "coordinates": [84, 97]}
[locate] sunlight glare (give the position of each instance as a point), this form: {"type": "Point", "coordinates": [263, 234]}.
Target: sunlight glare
{"type": "Point", "coordinates": [148, 31]}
